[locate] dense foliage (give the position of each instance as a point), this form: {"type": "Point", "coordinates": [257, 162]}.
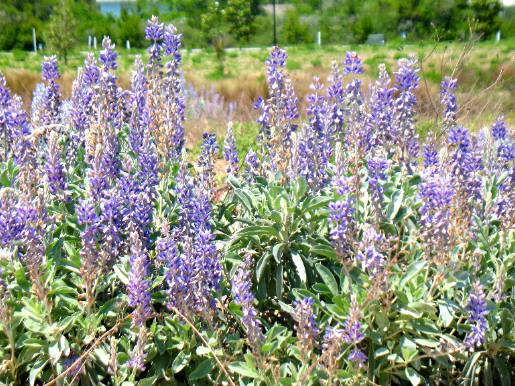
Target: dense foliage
{"type": "Point", "coordinates": [245, 22]}
{"type": "Point", "coordinates": [340, 250]}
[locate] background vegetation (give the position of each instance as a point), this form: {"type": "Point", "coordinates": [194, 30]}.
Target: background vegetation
{"type": "Point", "coordinates": [245, 23]}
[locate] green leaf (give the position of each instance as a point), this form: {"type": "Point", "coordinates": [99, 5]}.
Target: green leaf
{"type": "Point", "coordinates": [36, 369]}
{"type": "Point", "coordinates": [328, 278]}
{"type": "Point", "coordinates": [203, 369]}
{"type": "Point", "coordinates": [121, 274]}
{"type": "Point", "coordinates": [324, 250]}
{"type": "Point", "coordinates": [427, 342]}
{"type": "Point", "coordinates": [259, 230]}
{"type": "Point", "coordinates": [504, 372]}
{"type": "Point", "coordinates": [147, 381]}
{"type": "Point", "coordinates": [413, 376]}
{"type": "Point", "coordinates": [277, 253]}
{"type": "Point", "coordinates": [244, 369]}
{"type": "Point", "coordinates": [279, 281]}
{"type": "Point", "coordinates": [413, 270]}
{"type": "Point", "coordinates": [395, 204]}
{"type": "Point", "coordinates": [381, 352]}
{"type": "Point", "coordinates": [299, 265]}
{"type": "Point", "coordinates": [261, 266]}
{"type": "Point", "coordinates": [445, 314]}
{"type": "Point", "coordinates": [180, 361]}
{"type": "Point", "coordinates": [408, 349]}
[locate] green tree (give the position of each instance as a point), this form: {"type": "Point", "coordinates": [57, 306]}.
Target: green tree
{"type": "Point", "coordinates": [486, 16]}
{"type": "Point", "coordinates": [215, 29]}
{"type": "Point", "coordinates": [294, 30]}
{"type": "Point", "coordinates": [60, 34]}
{"type": "Point", "coordinates": [240, 19]}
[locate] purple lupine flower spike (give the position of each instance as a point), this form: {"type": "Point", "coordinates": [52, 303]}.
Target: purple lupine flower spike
{"type": "Point", "coordinates": [352, 64]}
{"type": "Point", "coordinates": [139, 285]}
{"type": "Point", "coordinates": [108, 56]}
{"type": "Point", "coordinates": [341, 219]}
{"type": "Point", "coordinates": [49, 69]}
{"type": "Point", "coordinates": [305, 324]}
{"type": "Point", "coordinates": [206, 159]}
{"type": "Point", "coordinates": [48, 109]}
{"type": "Point", "coordinates": [376, 172]}
{"type": "Point", "coordinates": [231, 152]}
{"type": "Point", "coordinates": [499, 129]}
{"type": "Point", "coordinates": [353, 334]}
{"type": "Point", "coordinates": [407, 81]}
{"type": "Point", "coordinates": [243, 296]}
{"type": "Point", "coordinates": [382, 111]}
{"type": "Point", "coordinates": [477, 317]}
{"type": "Point", "coordinates": [54, 167]}
{"type": "Point", "coordinates": [448, 100]}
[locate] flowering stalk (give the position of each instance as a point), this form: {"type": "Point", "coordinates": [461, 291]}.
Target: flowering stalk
{"type": "Point", "coordinates": [477, 317]}
{"type": "Point", "coordinates": [54, 167]}
{"type": "Point", "coordinates": [243, 296]}
{"type": "Point", "coordinates": [231, 153]}
{"type": "Point", "coordinates": [407, 81]}
{"type": "Point", "coordinates": [49, 108]}
{"type": "Point", "coordinates": [353, 335]}
{"type": "Point", "coordinates": [306, 326]}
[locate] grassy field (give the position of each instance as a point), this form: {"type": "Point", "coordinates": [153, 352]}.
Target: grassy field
{"type": "Point", "coordinates": [485, 72]}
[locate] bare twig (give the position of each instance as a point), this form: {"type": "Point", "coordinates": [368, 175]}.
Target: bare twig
{"type": "Point", "coordinates": [80, 361]}
{"type": "Point", "coordinates": [197, 332]}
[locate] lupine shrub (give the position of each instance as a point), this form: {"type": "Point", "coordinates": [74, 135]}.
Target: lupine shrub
{"type": "Point", "coordinates": [340, 249]}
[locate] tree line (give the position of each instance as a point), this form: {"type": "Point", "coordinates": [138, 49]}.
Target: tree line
{"type": "Point", "coordinates": [246, 23]}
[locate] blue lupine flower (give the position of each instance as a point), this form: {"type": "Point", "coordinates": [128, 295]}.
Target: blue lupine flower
{"type": "Point", "coordinates": [305, 324]}
{"type": "Point", "coordinates": [49, 69]}
{"type": "Point", "coordinates": [243, 296]}
{"type": "Point", "coordinates": [352, 64]}
{"type": "Point", "coordinates": [477, 317]}
{"type": "Point", "coordinates": [448, 99]}
{"type": "Point", "coordinates": [231, 152]}
{"type": "Point", "coordinates": [341, 219]}
{"type": "Point", "coordinates": [138, 288]}
{"type": "Point", "coordinates": [54, 166]}
{"type": "Point", "coordinates": [108, 56]}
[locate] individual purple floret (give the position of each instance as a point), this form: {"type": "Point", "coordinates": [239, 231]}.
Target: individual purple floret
{"type": "Point", "coordinates": [358, 357]}
{"type": "Point", "coordinates": [138, 288]}
{"type": "Point", "coordinates": [448, 100]}
{"type": "Point", "coordinates": [477, 317]}
{"type": "Point", "coordinates": [231, 152]}
{"type": "Point", "coordinates": [243, 296]}
{"type": "Point", "coordinates": [352, 64]}
{"type": "Point", "coordinates": [305, 324]}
